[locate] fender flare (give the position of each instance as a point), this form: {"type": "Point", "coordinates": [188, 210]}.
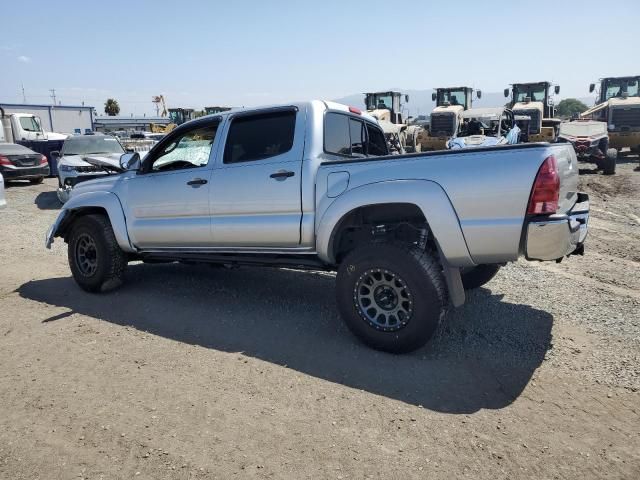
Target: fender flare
{"type": "Point", "coordinates": [427, 195]}
{"type": "Point", "coordinates": [107, 201]}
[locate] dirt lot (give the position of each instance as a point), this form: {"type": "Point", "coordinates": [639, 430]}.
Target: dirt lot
{"type": "Point", "coordinates": [249, 373]}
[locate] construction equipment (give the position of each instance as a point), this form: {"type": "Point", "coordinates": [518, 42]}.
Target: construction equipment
{"type": "Point", "coordinates": [618, 104]}
{"type": "Point", "coordinates": [386, 107]}
{"type": "Point", "coordinates": [213, 110]}
{"type": "Point", "coordinates": [158, 128]}
{"type": "Point", "coordinates": [446, 117]}
{"type": "Point", "coordinates": [160, 103]}
{"type": "Point", "coordinates": [161, 111]}
{"type": "Point", "coordinates": [534, 100]}
{"type": "Point", "coordinates": [180, 115]}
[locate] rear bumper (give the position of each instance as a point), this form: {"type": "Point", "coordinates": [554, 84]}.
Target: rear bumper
{"type": "Point", "coordinates": [18, 173]}
{"type": "Point", "coordinates": [556, 236]}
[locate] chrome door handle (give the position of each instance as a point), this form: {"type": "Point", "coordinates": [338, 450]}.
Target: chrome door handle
{"type": "Point", "coordinates": [197, 181]}
{"type": "Point", "coordinates": [282, 174]}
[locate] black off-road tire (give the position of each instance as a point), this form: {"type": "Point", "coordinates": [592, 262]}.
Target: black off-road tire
{"type": "Point", "coordinates": [609, 162]}
{"type": "Point", "coordinates": [420, 275]}
{"type": "Point", "coordinates": [477, 276]}
{"type": "Point", "coordinates": [36, 181]}
{"type": "Point", "coordinates": [110, 261]}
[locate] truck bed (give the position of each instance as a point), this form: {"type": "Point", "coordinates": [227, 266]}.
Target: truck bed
{"type": "Point", "coordinates": [488, 188]}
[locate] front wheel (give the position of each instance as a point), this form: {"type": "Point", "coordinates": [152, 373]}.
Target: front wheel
{"type": "Point", "coordinates": [36, 181]}
{"type": "Point", "coordinates": [392, 297]}
{"type": "Point", "coordinates": [96, 260]}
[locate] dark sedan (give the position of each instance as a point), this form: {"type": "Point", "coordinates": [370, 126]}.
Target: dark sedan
{"type": "Point", "coordinates": [20, 163]}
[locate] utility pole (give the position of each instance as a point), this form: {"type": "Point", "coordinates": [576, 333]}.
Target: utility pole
{"type": "Point", "coordinates": [53, 95]}
{"type": "Point", "coordinates": [24, 97]}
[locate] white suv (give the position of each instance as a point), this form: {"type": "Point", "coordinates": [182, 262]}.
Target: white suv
{"type": "Point", "coordinates": [72, 167]}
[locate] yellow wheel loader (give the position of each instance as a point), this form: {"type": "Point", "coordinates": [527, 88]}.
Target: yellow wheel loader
{"type": "Point", "coordinates": [618, 104]}
{"type": "Point", "coordinates": [446, 117]}
{"type": "Point", "coordinates": [535, 101]}
{"type": "Point", "coordinates": [386, 107]}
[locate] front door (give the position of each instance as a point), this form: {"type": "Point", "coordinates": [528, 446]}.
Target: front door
{"type": "Point", "coordinates": [255, 191]}
{"type": "Point", "coordinates": [167, 204]}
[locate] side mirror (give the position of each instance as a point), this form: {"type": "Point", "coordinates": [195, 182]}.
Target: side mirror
{"type": "Point", "coordinates": [506, 92]}
{"type": "Point", "coordinates": [406, 98]}
{"type": "Point", "coordinates": [479, 93]}
{"type": "Point", "coordinates": [130, 161]}
{"type": "Point", "coordinates": [433, 97]}
{"type": "Point", "coordinates": [592, 87]}
{"type": "Point", "coordinates": [557, 89]}
{"type": "Point", "coordinates": [54, 154]}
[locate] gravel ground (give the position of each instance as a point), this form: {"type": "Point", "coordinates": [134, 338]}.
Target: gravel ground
{"type": "Point", "coordinates": [196, 372]}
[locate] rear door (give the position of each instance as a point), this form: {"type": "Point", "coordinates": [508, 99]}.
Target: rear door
{"type": "Point", "coordinates": [255, 191]}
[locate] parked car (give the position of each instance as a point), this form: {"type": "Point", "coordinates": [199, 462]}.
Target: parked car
{"type": "Point", "coordinates": [311, 185]}
{"type": "Point", "coordinates": [72, 165]}
{"type": "Point", "coordinates": [590, 140]}
{"type": "Point", "coordinates": [20, 163]}
{"type": "Point", "coordinates": [486, 127]}
{"type": "Point", "coordinates": [3, 200]}
{"type": "Point", "coordinates": [26, 129]}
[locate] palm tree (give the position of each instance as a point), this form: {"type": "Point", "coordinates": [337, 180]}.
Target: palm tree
{"type": "Point", "coordinates": [111, 107]}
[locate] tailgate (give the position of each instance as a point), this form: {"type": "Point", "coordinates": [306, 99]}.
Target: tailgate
{"type": "Point", "coordinates": [568, 171]}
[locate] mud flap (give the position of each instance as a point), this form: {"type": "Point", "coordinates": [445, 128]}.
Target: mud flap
{"type": "Point", "coordinates": [454, 284]}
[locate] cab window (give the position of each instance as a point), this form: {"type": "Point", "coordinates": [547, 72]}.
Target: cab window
{"type": "Point", "coordinates": [260, 136]}
{"type": "Point", "coordinates": [349, 136]}
{"type": "Point", "coordinates": [191, 149]}
{"type": "Point", "coordinates": [376, 143]}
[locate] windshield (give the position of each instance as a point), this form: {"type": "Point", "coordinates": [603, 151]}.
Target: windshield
{"type": "Point", "coordinates": [454, 97]}
{"type": "Point", "coordinates": [30, 124]}
{"type": "Point", "coordinates": [91, 145]}
{"type": "Point", "coordinates": [535, 92]}
{"type": "Point", "coordinates": [583, 129]}
{"type": "Point", "coordinates": [379, 101]}
{"type": "Point", "coordinates": [614, 87]}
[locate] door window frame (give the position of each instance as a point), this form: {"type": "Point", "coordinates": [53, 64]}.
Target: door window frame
{"type": "Point", "coordinates": [154, 153]}
{"type": "Point", "coordinates": [365, 125]}
{"type": "Point", "coordinates": [298, 132]}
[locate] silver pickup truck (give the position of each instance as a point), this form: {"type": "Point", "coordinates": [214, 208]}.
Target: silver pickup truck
{"type": "Point", "coordinates": [311, 185]}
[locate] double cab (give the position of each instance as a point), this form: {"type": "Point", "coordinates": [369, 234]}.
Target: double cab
{"type": "Point", "coordinates": [312, 185]}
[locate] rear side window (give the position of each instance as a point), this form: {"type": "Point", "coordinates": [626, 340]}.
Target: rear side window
{"type": "Point", "coordinates": [336, 134]}
{"type": "Point", "coordinates": [345, 135]}
{"type": "Point", "coordinates": [376, 143]}
{"type": "Point", "coordinates": [358, 137]}
{"type": "Point", "coordinates": [260, 136]}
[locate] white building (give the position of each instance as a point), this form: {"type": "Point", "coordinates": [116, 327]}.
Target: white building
{"type": "Point", "coordinates": [57, 118]}
{"type": "Point", "coordinates": [108, 124]}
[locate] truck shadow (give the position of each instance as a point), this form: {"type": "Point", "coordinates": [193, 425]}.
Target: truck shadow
{"type": "Point", "coordinates": [482, 357]}
{"type": "Point", "coordinates": [48, 201]}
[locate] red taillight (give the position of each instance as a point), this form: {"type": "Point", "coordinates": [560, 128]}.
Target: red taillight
{"type": "Point", "coordinates": [546, 189]}
{"type": "Point", "coordinates": [355, 110]}
{"type": "Point", "coordinates": [5, 161]}
{"type": "Point", "coordinates": [43, 160]}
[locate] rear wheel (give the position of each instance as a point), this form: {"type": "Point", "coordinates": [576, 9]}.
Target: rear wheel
{"type": "Point", "coordinates": [392, 297]}
{"type": "Point", "coordinates": [97, 262]}
{"type": "Point", "coordinates": [477, 276]}
{"type": "Point", "coordinates": [36, 181]}
{"type": "Point", "coordinates": [609, 162]}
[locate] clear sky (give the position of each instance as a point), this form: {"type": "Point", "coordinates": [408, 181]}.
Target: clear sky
{"type": "Point", "coordinates": [250, 52]}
